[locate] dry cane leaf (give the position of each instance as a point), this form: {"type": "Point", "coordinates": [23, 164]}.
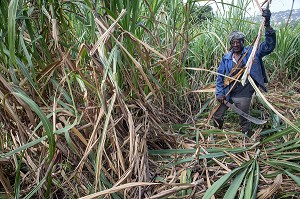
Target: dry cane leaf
{"type": "Point", "coordinates": [5, 183]}
{"type": "Point", "coordinates": [118, 188]}
{"type": "Point", "coordinates": [174, 189]}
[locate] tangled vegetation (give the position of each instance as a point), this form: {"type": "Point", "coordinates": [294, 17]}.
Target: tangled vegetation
{"type": "Point", "coordinates": [101, 99]}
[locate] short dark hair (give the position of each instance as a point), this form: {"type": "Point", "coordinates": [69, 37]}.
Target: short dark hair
{"type": "Point", "coordinates": [237, 35]}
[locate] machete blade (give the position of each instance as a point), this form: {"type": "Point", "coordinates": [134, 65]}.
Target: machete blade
{"type": "Point", "coordinates": [243, 114]}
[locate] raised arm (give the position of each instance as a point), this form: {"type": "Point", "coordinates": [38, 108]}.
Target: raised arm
{"type": "Point", "coordinates": [267, 46]}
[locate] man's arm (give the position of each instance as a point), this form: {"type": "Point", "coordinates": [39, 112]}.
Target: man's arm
{"type": "Point", "coordinates": [220, 93]}
{"type": "Point", "coordinates": [269, 44]}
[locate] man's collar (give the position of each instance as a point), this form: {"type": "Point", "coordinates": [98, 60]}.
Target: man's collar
{"type": "Point", "coordinates": [229, 55]}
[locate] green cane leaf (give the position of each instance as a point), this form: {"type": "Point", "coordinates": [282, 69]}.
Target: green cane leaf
{"type": "Point", "coordinates": [12, 13]}
{"type": "Point", "coordinates": [294, 177]}
{"type": "Point", "coordinates": [46, 122]}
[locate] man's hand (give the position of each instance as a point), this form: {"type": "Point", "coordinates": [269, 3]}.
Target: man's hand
{"type": "Point", "coordinates": [267, 15]}
{"type": "Point", "coordinates": [221, 99]}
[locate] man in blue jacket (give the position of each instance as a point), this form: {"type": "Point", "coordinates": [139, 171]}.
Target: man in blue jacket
{"type": "Point", "coordinates": [237, 58]}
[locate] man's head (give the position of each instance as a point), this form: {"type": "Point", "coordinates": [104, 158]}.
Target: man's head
{"type": "Point", "coordinates": [237, 39]}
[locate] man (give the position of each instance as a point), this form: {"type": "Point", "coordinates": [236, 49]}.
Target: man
{"type": "Point", "coordinates": [232, 63]}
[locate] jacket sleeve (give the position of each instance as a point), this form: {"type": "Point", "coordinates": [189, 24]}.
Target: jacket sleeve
{"type": "Point", "coordinates": [267, 46]}
{"type": "Point", "coordinates": [220, 79]}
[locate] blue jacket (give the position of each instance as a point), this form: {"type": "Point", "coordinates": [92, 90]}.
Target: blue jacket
{"type": "Point", "coordinates": [257, 72]}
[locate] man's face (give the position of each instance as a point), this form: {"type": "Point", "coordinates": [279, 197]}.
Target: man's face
{"type": "Point", "coordinates": [237, 45]}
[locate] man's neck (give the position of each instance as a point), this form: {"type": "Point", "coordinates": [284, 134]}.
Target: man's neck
{"type": "Point", "coordinates": [237, 55]}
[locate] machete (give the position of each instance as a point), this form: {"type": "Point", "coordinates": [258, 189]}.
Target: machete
{"type": "Point", "coordinates": [243, 114]}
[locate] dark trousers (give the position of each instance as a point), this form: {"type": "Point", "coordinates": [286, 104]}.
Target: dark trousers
{"type": "Point", "coordinates": [243, 103]}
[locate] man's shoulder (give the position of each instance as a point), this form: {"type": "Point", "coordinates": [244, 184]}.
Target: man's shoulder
{"type": "Point", "coordinates": [248, 49]}
{"type": "Point", "coordinates": [227, 55]}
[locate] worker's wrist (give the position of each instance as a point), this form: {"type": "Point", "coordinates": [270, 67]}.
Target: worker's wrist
{"type": "Point", "coordinates": [269, 31]}
{"type": "Point", "coordinates": [268, 27]}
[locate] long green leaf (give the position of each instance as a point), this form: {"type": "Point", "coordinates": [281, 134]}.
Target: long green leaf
{"type": "Point", "coordinates": [223, 180]}
{"type": "Point", "coordinates": [35, 189]}
{"type": "Point", "coordinates": [255, 181]}
{"type": "Point", "coordinates": [46, 122]}
{"type": "Point", "coordinates": [17, 185]}
{"type": "Point", "coordinates": [205, 156]}
{"type": "Point", "coordinates": [62, 90]}
{"type": "Point", "coordinates": [286, 131]}
{"type": "Point", "coordinates": [218, 184]}
{"type": "Point", "coordinates": [279, 147]}
{"type": "Point", "coordinates": [34, 39]}
{"type": "Point", "coordinates": [12, 14]}
{"type": "Point", "coordinates": [249, 179]}
{"type": "Point", "coordinates": [27, 75]}
{"type": "Point", "coordinates": [290, 148]}
{"type": "Point", "coordinates": [242, 190]}
{"type": "Point", "coordinates": [271, 131]}
{"type": "Point", "coordinates": [88, 2]}
{"type": "Point", "coordinates": [285, 164]}
{"type": "Point", "coordinates": [21, 148]}
{"type": "Point", "coordinates": [235, 185]}
{"type": "Point", "coordinates": [70, 142]}
{"type": "Point", "coordinates": [294, 177]}
{"type": "Point", "coordinates": [217, 151]}
{"type": "Point", "coordinates": [27, 55]}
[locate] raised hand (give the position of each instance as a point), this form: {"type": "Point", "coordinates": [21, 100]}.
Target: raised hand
{"type": "Point", "coordinates": [267, 15]}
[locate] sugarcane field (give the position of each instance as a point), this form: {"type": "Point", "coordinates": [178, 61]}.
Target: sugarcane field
{"type": "Point", "coordinates": [150, 99]}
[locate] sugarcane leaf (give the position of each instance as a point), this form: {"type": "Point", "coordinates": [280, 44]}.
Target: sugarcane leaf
{"type": "Point", "coordinates": [17, 185]}
{"type": "Point", "coordinates": [27, 74]}
{"type": "Point", "coordinates": [89, 4]}
{"type": "Point", "coordinates": [281, 147]}
{"type": "Point", "coordinates": [219, 183]}
{"type": "Point", "coordinates": [255, 181]}
{"type": "Point", "coordinates": [242, 190]}
{"type": "Point", "coordinates": [36, 188]}
{"type": "Point", "coordinates": [12, 13]}
{"type": "Point", "coordinates": [203, 108]}
{"type": "Point", "coordinates": [23, 147]}
{"type": "Point", "coordinates": [289, 148]}
{"type": "Point", "coordinates": [294, 177]}
{"type": "Point", "coordinates": [272, 130]}
{"type": "Point", "coordinates": [70, 142]}
{"type": "Point", "coordinates": [235, 185]}
{"type": "Point", "coordinates": [66, 128]}
{"type": "Point", "coordinates": [224, 179]}
{"type": "Point", "coordinates": [285, 164]}
{"type": "Point", "coordinates": [46, 122]}
{"type": "Point", "coordinates": [213, 151]}
{"type": "Point", "coordinates": [183, 179]}
{"type": "Point", "coordinates": [249, 179]}
{"type": "Point", "coordinates": [171, 151]}
{"type": "Point", "coordinates": [28, 56]}
{"type": "Point", "coordinates": [275, 136]}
